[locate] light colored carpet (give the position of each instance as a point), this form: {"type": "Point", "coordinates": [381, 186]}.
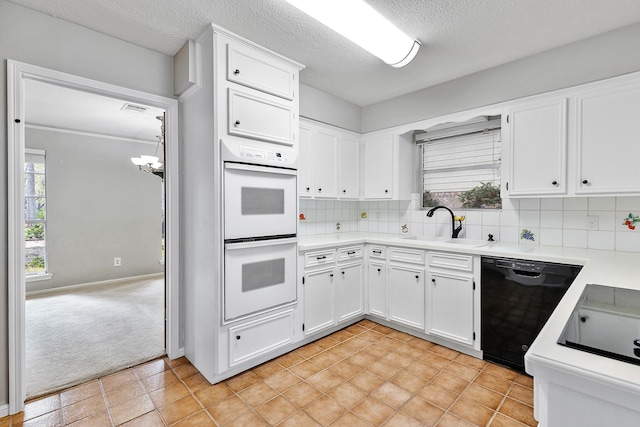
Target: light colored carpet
{"type": "Point", "coordinates": [79, 335]}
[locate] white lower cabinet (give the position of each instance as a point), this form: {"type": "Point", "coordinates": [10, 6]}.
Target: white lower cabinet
{"type": "Point", "coordinates": [319, 300]}
{"type": "Point", "coordinates": [451, 297]}
{"type": "Point", "coordinates": [255, 338]}
{"type": "Point", "coordinates": [377, 285]}
{"type": "Point", "coordinates": [333, 287]}
{"type": "Point", "coordinates": [350, 291]}
{"type": "Point", "coordinates": [450, 307]}
{"type": "Point", "coordinates": [405, 289]}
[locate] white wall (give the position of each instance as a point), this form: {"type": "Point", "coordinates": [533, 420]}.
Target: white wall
{"type": "Point", "coordinates": [325, 108]}
{"type": "Point", "coordinates": [99, 206]}
{"type": "Point", "coordinates": [38, 39]}
{"type": "Point", "coordinates": [592, 59]}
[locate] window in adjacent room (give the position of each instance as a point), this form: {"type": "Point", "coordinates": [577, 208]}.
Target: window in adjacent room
{"type": "Point", "coordinates": [461, 164]}
{"type": "Point", "coordinates": [35, 213]}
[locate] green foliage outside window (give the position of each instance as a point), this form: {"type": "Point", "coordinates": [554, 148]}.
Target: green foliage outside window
{"type": "Point", "coordinates": [485, 195]}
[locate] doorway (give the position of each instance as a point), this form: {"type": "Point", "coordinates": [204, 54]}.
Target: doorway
{"type": "Point", "coordinates": [20, 78]}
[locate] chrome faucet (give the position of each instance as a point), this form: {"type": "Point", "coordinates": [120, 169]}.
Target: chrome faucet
{"type": "Point", "coordinates": [454, 231]}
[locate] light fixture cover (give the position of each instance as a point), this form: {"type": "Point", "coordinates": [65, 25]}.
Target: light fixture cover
{"type": "Point", "coordinates": [363, 25]}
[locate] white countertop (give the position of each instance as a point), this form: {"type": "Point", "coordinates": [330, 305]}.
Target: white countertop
{"type": "Point", "coordinates": [617, 269]}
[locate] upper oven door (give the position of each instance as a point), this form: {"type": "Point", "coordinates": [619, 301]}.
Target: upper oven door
{"type": "Point", "coordinates": [259, 201]}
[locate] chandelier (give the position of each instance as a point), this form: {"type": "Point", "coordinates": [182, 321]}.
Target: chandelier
{"type": "Point", "coordinates": [152, 164]}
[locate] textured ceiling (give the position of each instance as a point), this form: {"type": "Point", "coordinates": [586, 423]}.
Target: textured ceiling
{"type": "Point", "coordinates": [459, 37]}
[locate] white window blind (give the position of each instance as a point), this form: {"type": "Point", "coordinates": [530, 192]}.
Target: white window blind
{"type": "Point", "coordinates": [460, 163]}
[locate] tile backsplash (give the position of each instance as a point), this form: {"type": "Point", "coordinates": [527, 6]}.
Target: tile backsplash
{"type": "Point", "coordinates": [551, 222]}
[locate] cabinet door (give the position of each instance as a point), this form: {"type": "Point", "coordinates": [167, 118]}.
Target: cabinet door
{"type": "Point", "coordinates": [305, 161]}
{"type": "Point", "coordinates": [406, 295]}
{"type": "Point", "coordinates": [450, 306]}
{"type": "Point", "coordinates": [349, 170]}
{"type": "Point", "coordinates": [350, 291]}
{"type": "Point", "coordinates": [377, 285]}
{"type": "Point", "coordinates": [608, 131]}
{"type": "Point", "coordinates": [538, 148]}
{"type": "Point", "coordinates": [319, 311]}
{"type": "Point", "coordinates": [378, 167]}
{"type": "Point", "coordinates": [260, 71]}
{"type": "Point", "coordinates": [325, 158]}
{"type": "Point", "coordinates": [260, 116]}
{"type": "Point", "coordinates": [259, 337]}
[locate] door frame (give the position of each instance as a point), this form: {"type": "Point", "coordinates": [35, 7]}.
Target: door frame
{"type": "Point", "coordinates": [17, 73]}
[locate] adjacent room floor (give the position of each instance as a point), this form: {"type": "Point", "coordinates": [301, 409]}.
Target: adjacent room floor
{"type": "Point", "coordinates": [364, 375]}
{"type": "Point", "coordinates": [76, 335]}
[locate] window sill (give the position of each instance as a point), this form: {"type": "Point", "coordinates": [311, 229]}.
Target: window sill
{"type": "Point", "coordinates": [38, 277]}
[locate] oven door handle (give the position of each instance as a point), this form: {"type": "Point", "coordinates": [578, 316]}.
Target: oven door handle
{"type": "Point", "coordinates": [260, 243]}
{"type": "Point", "coordinates": [255, 168]}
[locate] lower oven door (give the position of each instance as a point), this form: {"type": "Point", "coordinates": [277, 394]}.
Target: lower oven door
{"type": "Point", "coordinates": [259, 275]}
{"type": "Point", "coordinates": [259, 201]}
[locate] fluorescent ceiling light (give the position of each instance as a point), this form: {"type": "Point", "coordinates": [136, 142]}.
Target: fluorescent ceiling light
{"type": "Point", "coordinates": [363, 25]}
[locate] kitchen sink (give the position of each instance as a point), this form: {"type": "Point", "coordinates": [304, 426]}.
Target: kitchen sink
{"type": "Point", "coordinates": [472, 243]}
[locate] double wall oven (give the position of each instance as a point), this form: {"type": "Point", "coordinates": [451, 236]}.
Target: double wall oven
{"type": "Point", "coordinates": [260, 224]}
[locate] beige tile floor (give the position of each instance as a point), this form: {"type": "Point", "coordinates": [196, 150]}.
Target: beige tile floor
{"type": "Point", "coordinates": [364, 375]}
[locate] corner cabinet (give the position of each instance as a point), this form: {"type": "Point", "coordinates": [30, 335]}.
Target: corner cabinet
{"type": "Point", "coordinates": [538, 148]}
{"type": "Point", "coordinates": [387, 166]}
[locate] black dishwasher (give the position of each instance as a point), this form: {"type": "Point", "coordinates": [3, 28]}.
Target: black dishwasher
{"type": "Point", "coordinates": [517, 298]}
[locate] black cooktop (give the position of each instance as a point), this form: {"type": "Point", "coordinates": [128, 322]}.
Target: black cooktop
{"type": "Point", "coordinates": [606, 321]}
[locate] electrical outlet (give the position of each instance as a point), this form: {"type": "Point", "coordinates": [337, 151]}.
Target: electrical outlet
{"type": "Point", "coordinates": [592, 223]}
{"type": "Point", "coordinates": [117, 262]}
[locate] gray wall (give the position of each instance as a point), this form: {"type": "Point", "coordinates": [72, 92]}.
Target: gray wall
{"type": "Point", "coordinates": [35, 38]}
{"type": "Point", "coordinates": [326, 108]}
{"type": "Point", "coordinates": [99, 206]}
{"type": "Point", "coordinates": [599, 57]}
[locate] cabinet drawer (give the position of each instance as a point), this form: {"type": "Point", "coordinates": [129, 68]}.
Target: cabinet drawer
{"type": "Point", "coordinates": [256, 70]}
{"type": "Point", "coordinates": [350, 253]}
{"type": "Point", "coordinates": [451, 261]}
{"type": "Point", "coordinates": [261, 336]}
{"type": "Point", "coordinates": [316, 258]}
{"type": "Point", "coordinates": [256, 116]}
{"type": "Point", "coordinates": [377, 252]}
{"type": "Point", "coordinates": [412, 256]}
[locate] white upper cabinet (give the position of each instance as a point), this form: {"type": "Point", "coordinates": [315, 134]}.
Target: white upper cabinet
{"type": "Point", "coordinates": [349, 168]}
{"type": "Point", "coordinates": [575, 142]}
{"type": "Point", "coordinates": [607, 138]}
{"type": "Point", "coordinates": [325, 163]}
{"type": "Point", "coordinates": [258, 116]}
{"type": "Point", "coordinates": [305, 160]}
{"type": "Point", "coordinates": [378, 167]}
{"type": "Point", "coordinates": [328, 163]}
{"type": "Point", "coordinates": [537, 148]}
{"type": "Point", "coordinates": [252, 68]}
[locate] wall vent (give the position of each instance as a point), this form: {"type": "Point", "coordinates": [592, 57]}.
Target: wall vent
{"type": "Point", "coordinates": [133, 108]}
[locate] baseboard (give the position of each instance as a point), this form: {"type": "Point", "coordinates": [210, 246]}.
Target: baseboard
{"type": "Point", "coordinates": [4, 411]}
{"type": "Point", "coordinates": [92, 284]}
